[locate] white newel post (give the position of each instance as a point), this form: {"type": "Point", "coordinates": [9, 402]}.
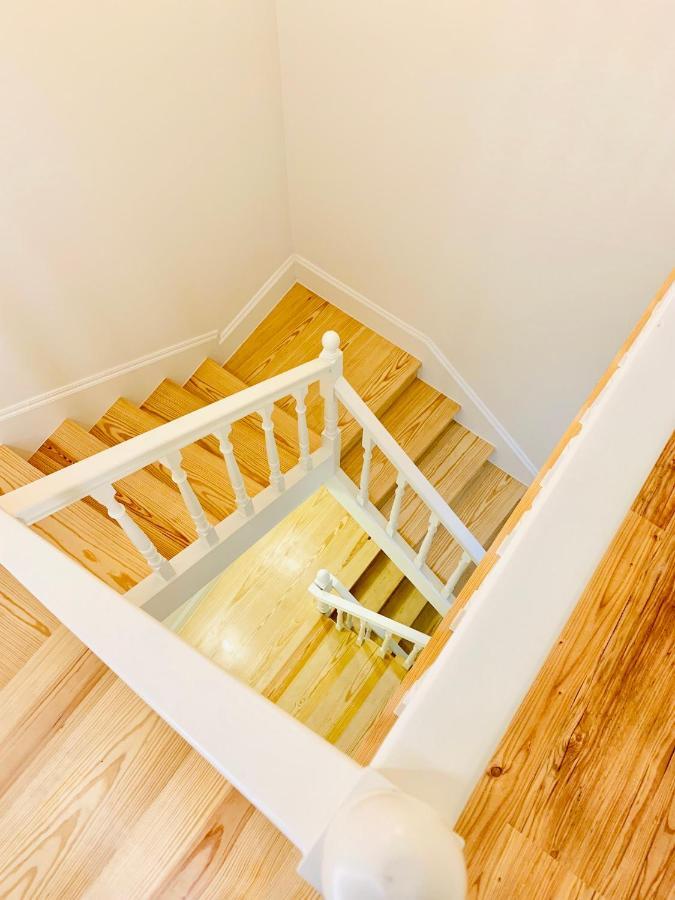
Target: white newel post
{"type": "Point", "coordinates": [331, 433]}
{"type": "Point", "coordinates": [385, 843]}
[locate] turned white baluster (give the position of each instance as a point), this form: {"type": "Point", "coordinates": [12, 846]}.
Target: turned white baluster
{"type": "Point", "coordinates": [451, 583]}
{"type": "Point", "coordinates": [207, 533]}
{"type": "Point", "coordinates": [339, 622]}
{"type": "Point", "coordinates": [362, 496]}
{"type": "Point", "coordinates": [244, 502]}
{"type": "Point", "coordinates": [105, 495]}
{"type": "Point", "coordinates": [412, 656]}
{"type": "Point", "coordinates": [331, 353]}
{"type": "Point", "coordinates": [303, 432]}
{"type": "Point", "coordinates": [363, 629]}
{"type": "Point", "coordinates": [276, 478]}
{"type": "Point", "coordinates": [386, 644]}
{"type": "Point", "coordinates": [421, 557]}
{"type": "Point", "coordinates": [392, 524]}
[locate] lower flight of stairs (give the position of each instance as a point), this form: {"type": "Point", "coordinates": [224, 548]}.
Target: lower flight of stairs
{"type": "Point", "coordinates": [421, 419]}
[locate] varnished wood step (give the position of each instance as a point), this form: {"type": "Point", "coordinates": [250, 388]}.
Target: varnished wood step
{"type": "Point", "coordinates": [405, 603]}
{"type": "Point", "coordinates": [291, 334]}
{"type": "Point", "coordinates": [86, 535]}
{"type": "Point", "coordinates": [157, 508]}
{"type": "Point", "coordinates": [212, 382]}
{"type": "Point", "coordinates": [207, 471]}
{"type": "Point", "coordinates": [25, 625]}
{"type": "Point", "coordinates": [169, 401]}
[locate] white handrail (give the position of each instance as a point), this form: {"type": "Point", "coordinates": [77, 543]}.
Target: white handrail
{"type": "Point", "coordinates": [407, 472]}
{"type": "Point", "coordinates": [45, 496]}
{"type": "Point", "coordinates": [386, 628]}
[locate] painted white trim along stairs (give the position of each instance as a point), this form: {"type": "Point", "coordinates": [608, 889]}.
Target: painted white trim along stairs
{"type": "Point", "coordinates": [28, 423]}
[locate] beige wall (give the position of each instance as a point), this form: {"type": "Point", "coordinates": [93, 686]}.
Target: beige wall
{"type": "Point", "coordinates": [142, 178]}
{"type": "Point", "coordinates": [501, 175]}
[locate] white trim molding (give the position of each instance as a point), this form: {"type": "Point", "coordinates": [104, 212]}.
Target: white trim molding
{"type": "Point", "coordinates": [437, 370]}
{"type": "Point", "coordinates": [25, 425]}
{"type": "Point", "coordinates": [261, 303]}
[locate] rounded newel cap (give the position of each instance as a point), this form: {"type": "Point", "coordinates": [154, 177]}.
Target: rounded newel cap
{"type": "Point", "coordinates": [323, 580]}
{"type": "Point", "coordinates": [388, 845]}
{"type": "Point", "coordinates": [331, 341]}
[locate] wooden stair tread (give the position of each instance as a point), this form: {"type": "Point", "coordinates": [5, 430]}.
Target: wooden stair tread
{"type": "Point", "coordinates": [291, 334]}
{"type": "Point", "coordinates": [169, 401]}
{"type": "Point", "coordinates": [158, 509]}
{"type": "Point", "coordinates": [86, 535]}
{"type": "Point", "coordinates": [25, 624]}
{"type": "Point", "coordinates": [416, 420]}
{"type": "Point", "coordinates": [212, 382]}
{"type": "Point", "coordinates": [206, 471]}
{"type": "Point", "coordinates": [405, 603]}
{"type": "Point", "coordinates": [484, 504]}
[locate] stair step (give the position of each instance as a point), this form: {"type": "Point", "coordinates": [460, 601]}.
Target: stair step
{"type": "Point", "coordinates": [291, 334]}
{"type": "Point", "coordinates": [416, 420]}
{"type": "Point", "coordinates": [212, 382]}
{"type": "Point", "coordinates": [158, 509]}
{"type": "Point", "coordinates": [25, 624]}
{"type": "Point", "coordinates": [376, 584]}
{"type": "Point", "coordinates": [82, 532]}
{"type": "Point", "coordinates": [169, 401]}
{"type": "Point", "coordinates": [428, 620]}
{"type": "Point", "coordinates": [484, 504]}
{"type": "Point", "coordinates": [206, 471]}
{"type": "Point", "coordinates": [405, 603]}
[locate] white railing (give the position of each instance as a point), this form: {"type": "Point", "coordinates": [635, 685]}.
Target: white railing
{"type": "Point", "coordinates": [385, 532]}
{"type": "Point", "coordinates": [353, 615]}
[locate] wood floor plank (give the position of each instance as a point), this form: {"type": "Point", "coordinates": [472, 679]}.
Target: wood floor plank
{"type": "Point", "coordinates": [518, 868]}
{"type": "Point", "coordinates": [155, 507]}
{"type": "Point", "coordinates": [90, 538]}
{"type": "Point", "coordinates": [25, 625]}
{"type": "Point", "coordinates": [41, 698]}
{"type": "Point", "coordinates": [584, 769]}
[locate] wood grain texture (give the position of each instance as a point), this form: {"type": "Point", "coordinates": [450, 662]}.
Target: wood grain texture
{"type": "Point", "coordinates": [157, 508]}
{"type": "Point", "coordinates": [25, 625]}
{"type": "Point", "coordinates": [169, 401]}
{"type": "Point", "coordinates": [86, 535]}
{"type": "Point", "coordinates": [291, 334]}
{"type": "Point", "coordinates": [207, 471]}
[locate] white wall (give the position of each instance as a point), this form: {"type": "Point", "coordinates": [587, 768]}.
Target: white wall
{"type": "Point", "coordinates": [499, 174]}
{"type": "Point", "coordinates": [143, 194]}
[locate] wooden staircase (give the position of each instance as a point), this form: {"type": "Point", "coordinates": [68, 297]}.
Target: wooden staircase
{"type": "Point", "coordinates": [421, 419]}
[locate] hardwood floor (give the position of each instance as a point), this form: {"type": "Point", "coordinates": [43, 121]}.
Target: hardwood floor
{"type": "Point", "coordinates": [100, 798]}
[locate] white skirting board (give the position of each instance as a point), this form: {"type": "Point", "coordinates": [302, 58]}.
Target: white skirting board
{"type": "Point", "coordinates": [437, 370]}
{"type": "Point", "coordinates": [25, 425]}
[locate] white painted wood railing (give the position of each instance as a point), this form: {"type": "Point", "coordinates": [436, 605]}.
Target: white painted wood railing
{"type": "Point", "coordinates": [331, 595]}
{"type": "Point", "coordinates": [385, 531]}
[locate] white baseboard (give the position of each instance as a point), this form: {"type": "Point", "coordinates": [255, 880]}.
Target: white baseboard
{"type": "Point", "coordinates": [25, 425]}
{"type": "Point", "coordinates": [437, 370]}
{"type": "Point", "coordinates": [261, 303]}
